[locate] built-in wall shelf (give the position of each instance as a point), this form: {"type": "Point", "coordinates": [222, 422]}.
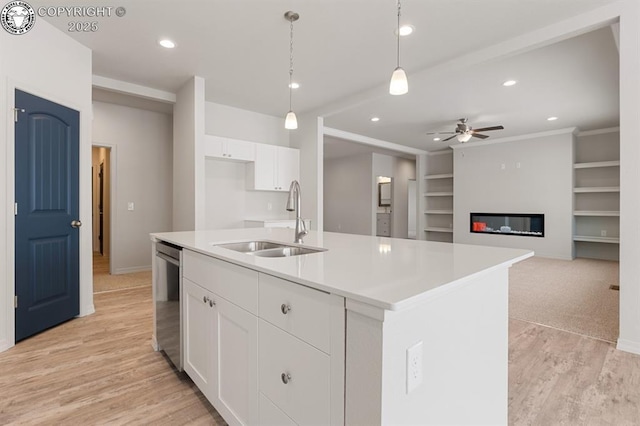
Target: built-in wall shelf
{"type": "Point", "coordinates": [439, 194]}
{"type": "Point", "coordinates": [440, 176]}
{"type": "Point", "coordinates": [596, 189]}
{"type": "Point", "coordinates": [596, 164]}
{"type": "Point", "coordinates": [594, 239]}
{"type": "Point", "coordinates": [596, 199]}
{"type": "Point", "coordinates": [596, 213]}
{"type": "Point", "coordinates": [438, 212]}
{"type": "Point", "coordinates": [437, 229]}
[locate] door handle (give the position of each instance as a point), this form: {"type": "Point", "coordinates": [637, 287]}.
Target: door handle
{"type": "Point", "coordinates": [76, 224]}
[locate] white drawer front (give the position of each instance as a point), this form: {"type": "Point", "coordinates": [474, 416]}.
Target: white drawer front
{"type": "Point", "coordinates": [270, 415]}
{"type": "Point", "coordinates": [236, 284]}
{"type": "Point", "coordinates": [306, 396]}
{"type": "Point", "coordinates": [307, 310]}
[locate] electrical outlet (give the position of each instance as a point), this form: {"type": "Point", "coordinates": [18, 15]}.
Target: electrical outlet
{"type": "Point", "coordinates": [503, 166]}
{"type": "Point", "coordinates": [603, 233]}
{"type": "Point", "coordinates": [269, 206]}
{"type": "Point", "coordinates": [517, 165]}
{"type": "Point", "coordinates": [414, 366]}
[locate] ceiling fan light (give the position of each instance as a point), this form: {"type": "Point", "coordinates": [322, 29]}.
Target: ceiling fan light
{"type": "Point", "coordinates": [464, 137]}
{"type": "Point", "coordinates": [399, 84]}
{"type": "Point", "coordinates": [291, 122]}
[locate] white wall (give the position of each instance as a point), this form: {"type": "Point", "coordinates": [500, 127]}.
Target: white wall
{"type": "Point", "coordinates": [309, 139]}
{"type": "Point", "coordinates": [403, 171]}
{"type": "Point", "coordinates": [537, 178]}
{"type": "Point", "coordinates": [227, 201]}
{"type": "Point", "coordinates": [348, 200]}
{"type": "Point", "coordinates": [629, 12]}
{"type": "Point", "coordinates": [142, 142]}
{"type": "Point", "coordinates": [47, 63]}
{"type": "Point", "coordinates": [236, 123]}
{"type": "Point", "coordinates": [188, 164]}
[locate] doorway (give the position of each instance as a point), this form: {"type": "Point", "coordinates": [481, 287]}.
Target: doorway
{"type": "Point", "coordinates": [101, 209]}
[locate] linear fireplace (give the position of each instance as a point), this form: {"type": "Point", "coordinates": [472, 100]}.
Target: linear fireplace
{"type": "Point", "coordinates": [525, 225]}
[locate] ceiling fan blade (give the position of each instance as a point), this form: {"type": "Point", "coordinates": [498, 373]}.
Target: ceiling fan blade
{"type": "Point", "coordinates": [487, 129]}
{"type": "Point", "coordinates": [449, 138]}
{"type": "Point", "coordinates": [479, 136]}
{"type": "Point", "coordinates": [440, 133]}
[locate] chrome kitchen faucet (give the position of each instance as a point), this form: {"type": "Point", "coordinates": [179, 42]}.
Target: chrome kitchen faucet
{"type": "Point", "coordinates": [293, 204]}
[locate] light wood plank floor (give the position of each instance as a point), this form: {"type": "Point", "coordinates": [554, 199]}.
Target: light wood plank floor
{"type": "Point", "coordinates": [101, 370]}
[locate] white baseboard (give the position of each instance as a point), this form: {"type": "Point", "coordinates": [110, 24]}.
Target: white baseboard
{"type": "Point", "coordinates": [90, 309]}
{"type": "Point", "coordinates": [628, 346]}
{"type": "Point", "coordinates": [131, 270]}
{"type": "Point", "coordinates": [5, 344]}
{"type": "Point", "coordinates": [154, 343]}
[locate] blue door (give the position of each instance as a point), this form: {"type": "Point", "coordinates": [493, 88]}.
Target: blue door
{"type": "Point", "coordinates": [47, 214]}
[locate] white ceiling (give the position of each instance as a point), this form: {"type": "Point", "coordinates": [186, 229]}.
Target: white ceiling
{"type": "Point", "coordinates": [345, 49]}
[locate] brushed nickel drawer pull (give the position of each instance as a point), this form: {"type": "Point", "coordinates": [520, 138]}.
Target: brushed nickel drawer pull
{"type": "Point", "coordinates": [285, 308]}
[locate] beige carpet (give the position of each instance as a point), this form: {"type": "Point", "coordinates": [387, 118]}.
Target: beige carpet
{"type": "Point", "coordinates": [103, 281]}
{"type": "Point", "coordinates": [568, 295]}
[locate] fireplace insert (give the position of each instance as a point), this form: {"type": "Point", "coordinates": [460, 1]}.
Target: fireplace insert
{"type": "Point", "coordinates": [522, 224]}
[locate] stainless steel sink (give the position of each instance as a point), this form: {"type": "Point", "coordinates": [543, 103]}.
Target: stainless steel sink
{"type": "Point", "coordinates": [251, 246]}
{"type": "Point", "coordinates": [269, 249]}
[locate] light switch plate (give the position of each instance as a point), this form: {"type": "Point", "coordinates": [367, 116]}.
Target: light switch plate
{"type": "Point", "coordinates": [130, 206]}
{"type": "Point", "coordinates": [414, 366]}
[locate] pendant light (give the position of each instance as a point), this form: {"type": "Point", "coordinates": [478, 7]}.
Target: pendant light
{"type": "Point", "coordinates": [291, 122]}
{"type": "Point", "coordinates": [399, 84]}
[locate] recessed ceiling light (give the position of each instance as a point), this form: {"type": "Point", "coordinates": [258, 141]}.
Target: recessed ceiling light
{"type": "Point", "coordinates": [552, 118]}
{"type": "Point", "coordinates": [509, 83]}
{"type": "Point", "coordinates": [294, 85]}
{"type": "Point", "coordinates": [436, 139]}
{"type": "Point", "coordinates": [167, 43]}
{"type": "Point", "coordinates": [405, 30]}
{"type": "Point", "coordinates": [374, 119]}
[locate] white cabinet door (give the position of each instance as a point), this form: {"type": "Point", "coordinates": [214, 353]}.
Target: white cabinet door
{"type": "Point", "coordinates": [198, 334]}
{"type": "Point", "coordinates": [235, 370]}
{"type": "Point", "coordinates": [213, 146]}
{"type": "Point", "coordinates": [274, 168]}
{"type": "Point", "coordinates": [288, 168]}
{"type": "Point", "coordinates": [265, 168]}
{"type": "Point", "coordinates": [228, 149]}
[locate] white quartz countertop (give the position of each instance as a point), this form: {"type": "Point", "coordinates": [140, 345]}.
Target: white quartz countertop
{"type": "Point", "coordinates": [389, 273]}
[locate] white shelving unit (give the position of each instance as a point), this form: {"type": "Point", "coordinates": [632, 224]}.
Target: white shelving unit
{"type": "Point", "coordinates": [439, 196]}
{"type": "Point", "coordinates": [596, 214]}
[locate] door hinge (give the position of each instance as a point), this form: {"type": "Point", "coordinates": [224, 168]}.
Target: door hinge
{"type": "Point", "coordinates": [15, 302]}
{"type": "Point", "coordinates": [15, 113]}
{"type": "Point", "coordinates": [15, 209]}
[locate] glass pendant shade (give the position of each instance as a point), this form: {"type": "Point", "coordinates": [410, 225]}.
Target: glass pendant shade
{"type": "Point", "coordinates": [464, 137]}
{"type": "Point", "coordinates": [399, 84]}
{"type": "Point", "coordinates": [291, 122]}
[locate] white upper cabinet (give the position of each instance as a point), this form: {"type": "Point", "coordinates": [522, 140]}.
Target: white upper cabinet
{"type": "Point", "coordinates": [229, 149]}
{"type": "Point", "coordinates": [274, 168]}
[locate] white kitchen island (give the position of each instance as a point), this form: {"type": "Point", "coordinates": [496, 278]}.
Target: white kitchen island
{"type": "Point", "coordinates": [371, 331]}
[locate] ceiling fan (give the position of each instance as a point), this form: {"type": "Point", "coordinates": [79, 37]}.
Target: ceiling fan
{"type": "Point", "coordinates": [464, 132]}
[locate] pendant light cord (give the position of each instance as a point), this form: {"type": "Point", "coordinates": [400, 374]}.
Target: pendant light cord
{"type": "Point", "coordinates": [398, 38]}
{"type": "Point", "coordinates": [290, 63]}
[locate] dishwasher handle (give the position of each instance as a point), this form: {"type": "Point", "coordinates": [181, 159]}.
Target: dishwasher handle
{"type": "Point", "coordinates": [168, 258]}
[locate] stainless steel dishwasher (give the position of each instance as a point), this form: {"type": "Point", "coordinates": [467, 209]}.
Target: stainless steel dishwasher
{"type": "Point", "coordinates": [167, 295]}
